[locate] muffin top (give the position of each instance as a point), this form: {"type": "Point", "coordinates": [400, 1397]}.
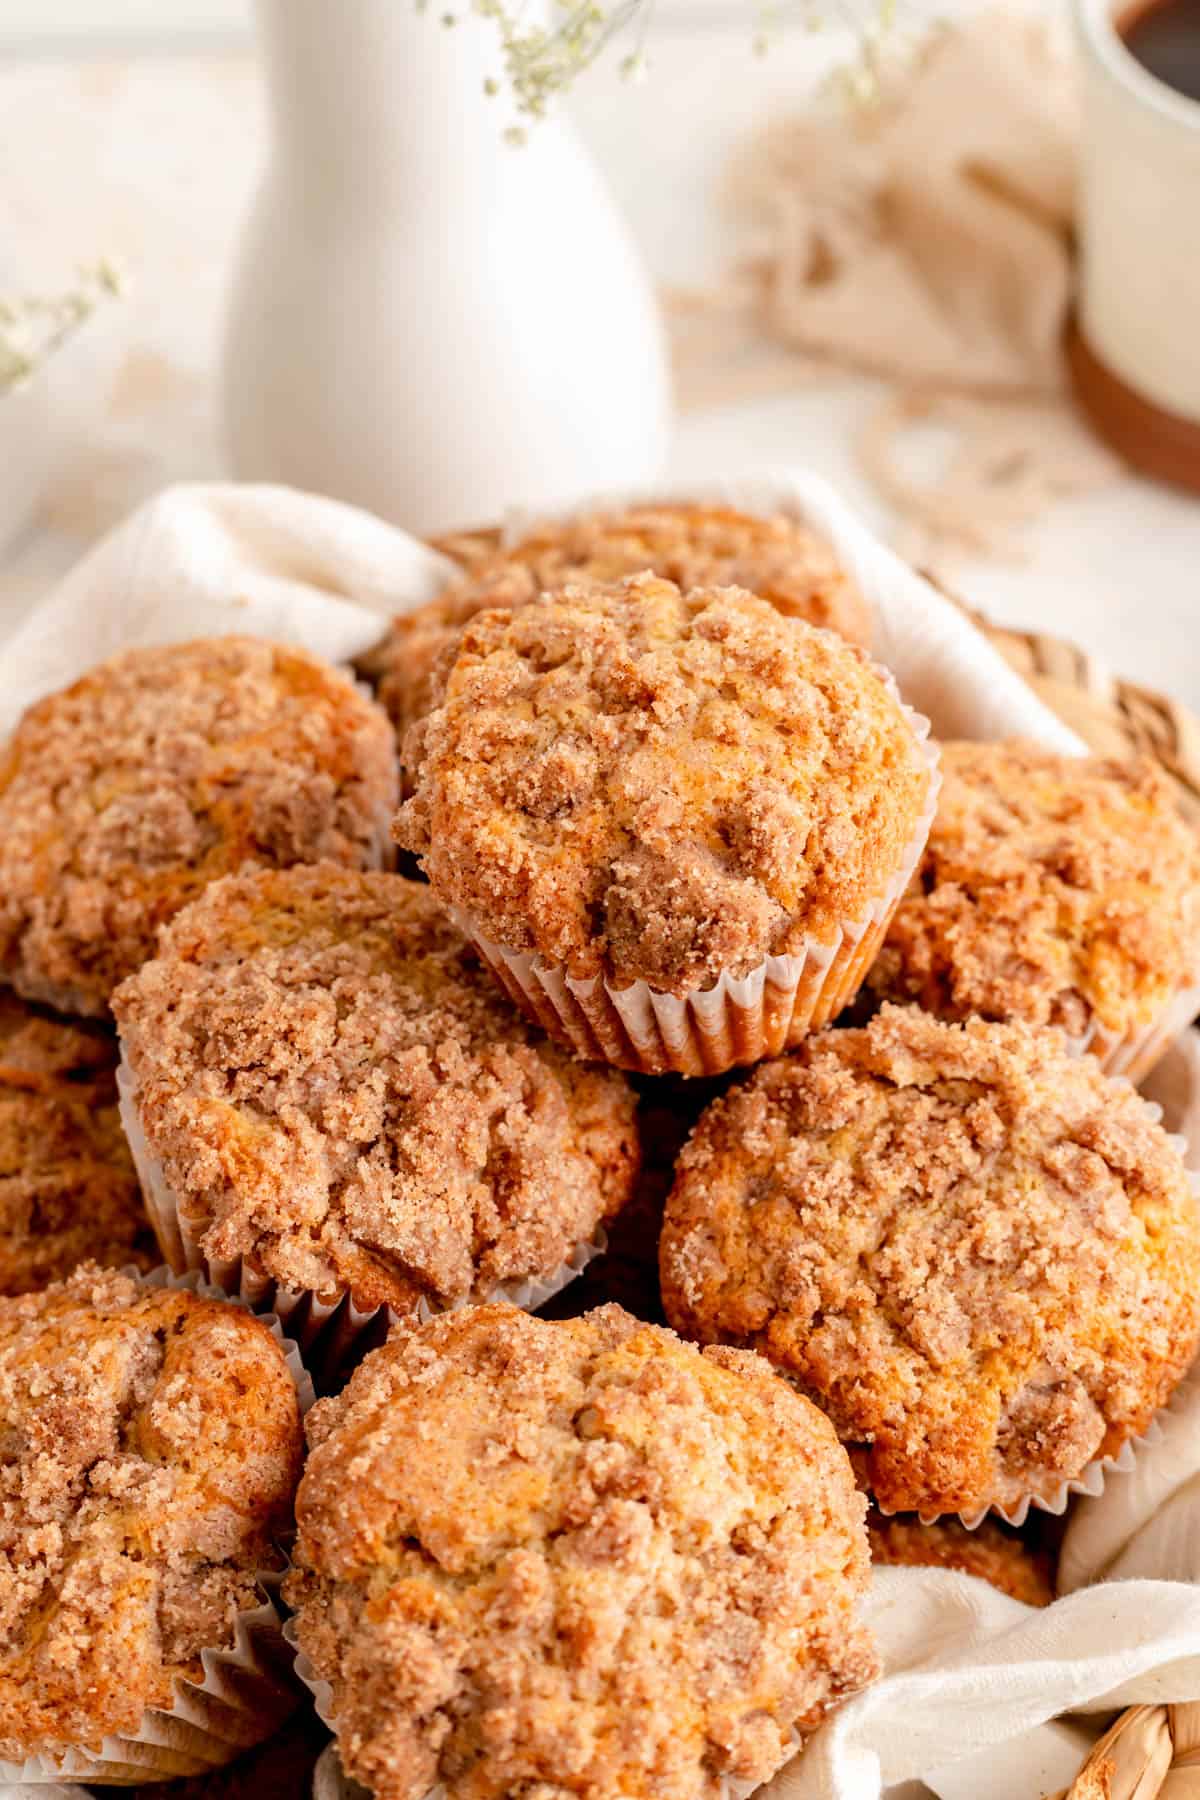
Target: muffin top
{"type": "Point", "coordinates": [68, 1191]}
{"type": "Point", "coordinates": [1054, 889]}
{"type": "Point", "coordinates": [575, 1552]}
{"type": "Point", "coordinates": [777, 557]}
{"type": "Point", "coordinates": [125, 794]}
{"type": "Point", "coordinates": [338, 1093]}
{"type": "Point", "coordinates": [646, 784]}
{"type": "Point", "coordinates": [979, 1254]}
{"type": "Point", "coordinates": [152, 1449]}
{"type": "Point", "coordinates": [991, 1552]}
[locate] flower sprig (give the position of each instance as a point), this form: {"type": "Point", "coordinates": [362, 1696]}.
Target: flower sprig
{"type": "Point", "coordinates": [541, 61]}
{"type": "Point", "coordinates": [33, 327]}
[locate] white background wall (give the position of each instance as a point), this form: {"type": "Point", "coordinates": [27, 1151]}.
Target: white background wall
{"type": "Point", "coordinates": [28, 24]}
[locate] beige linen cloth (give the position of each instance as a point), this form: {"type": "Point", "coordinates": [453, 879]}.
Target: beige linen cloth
{"type": "Point", "coordinates": [972, 1678]}
{"type": "Point", "coordinates": [924, 237]}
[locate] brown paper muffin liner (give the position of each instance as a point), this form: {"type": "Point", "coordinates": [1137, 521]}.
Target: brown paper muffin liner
{"type": "Point", "coordinates": [332, 1332]}
{"type": "Point", "coordinates": [740, 1019]}
{"type": "Point", "coordinates": [248, 1689]}
{"type": "Point", "coordinates": [1134, 1052]}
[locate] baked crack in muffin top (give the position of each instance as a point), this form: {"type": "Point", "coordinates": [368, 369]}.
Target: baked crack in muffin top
{"type": "Point", "coordinates": [979, 1254]}
{"type": "Point", "coordinates": [152, 1446]}
{"type": "Point", "coordinates": [645, 784]}
{"type": "Point", "coordinates": [774, 556]}
{"type": "Point", "coordinates": [991, 1552]}
{"type": "Point", "coordinates": [122, 796]}
{"type": "Point", "coordinates": [68, 1190]}
{"type": "Point", "coordinates": [338, 1093]}
{"type": "Point", "coordinates": [1054, 889]}
{"type": "Point", "coordinates": [574, 1557]}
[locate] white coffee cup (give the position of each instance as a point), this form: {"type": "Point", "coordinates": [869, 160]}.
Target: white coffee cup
{"type": "Point", "coordinates": [1138, 309]}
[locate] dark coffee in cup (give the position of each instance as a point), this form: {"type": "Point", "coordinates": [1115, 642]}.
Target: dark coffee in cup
{"type": "Point", "coordinates": [1164, 36]}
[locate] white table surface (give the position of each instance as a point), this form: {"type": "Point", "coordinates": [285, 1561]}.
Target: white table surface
{"type": "Point", "coordinates": [152, 156]}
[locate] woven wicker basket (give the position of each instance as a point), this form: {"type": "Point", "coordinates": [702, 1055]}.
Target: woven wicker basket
{"type": "Point", "coordinates": [1113, 717]}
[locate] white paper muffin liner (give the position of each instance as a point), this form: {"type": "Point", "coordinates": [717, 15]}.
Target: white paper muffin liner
{"type": "Point", "coordinates": [334, 1334]}
{"type": "Point", "coordinates": [248, 1690]}
{"type": "Point", "coordinates": [1134, 1052]}
{"type": "Point", "coordinates": [740, 1019]}
{"type": "Point", "coordinates": [1055, 1500]}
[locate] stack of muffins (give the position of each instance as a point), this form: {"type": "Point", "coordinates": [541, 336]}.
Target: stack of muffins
{"type": "Point", "coordinates": [721, 996]}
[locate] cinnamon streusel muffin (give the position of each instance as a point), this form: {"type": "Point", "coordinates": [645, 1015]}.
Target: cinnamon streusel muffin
{"type": "Point", "coordinates": [122, 796]}
{"type": "Point", "coordinates": [68, 1190]}
{"type": "Point", "coordinates": [338, 1097]}
{"type": "Point", "coordinates": [634, 785]}
{"type": "Point", "coordinates": [152, 1448]}
{"type": "Point", "coordinates": [1057, 890]}
{"type": "Point", "coordinates": [978, 1253]}
{"type": "Point", "coordinates": [777, 557]}
{"type": "Point", "coordinates": [574, 1556]}
{"type": "Point", "coordinates": [992, 1552]}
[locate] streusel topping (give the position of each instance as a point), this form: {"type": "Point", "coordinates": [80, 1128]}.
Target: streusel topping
{"type": "Point", "coordinates": [991, 1551]}
{"type": "Point", "coordinates": [647, 784]}
{"type": "Point", "coordinates": [980, 1255]}
{"type": "Point", "coordinates": [774, 556]}
{"type": "Point", "coordinates": [338, 1093]}
{"type": "Point", "coordinates": [152, 1445]}
{"type": "Point", "coordinates": [122, 796]}
{"type": "Point", "coordinates": [68, 1191]}
{"type": "Point", "coordinates": [1054, 889]}
{"type": "Point", "coordinates": [542, 1557]}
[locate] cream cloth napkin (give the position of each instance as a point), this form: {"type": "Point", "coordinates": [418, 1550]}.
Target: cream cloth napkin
{"type": "Point", "coordinates": [971, 1676]}
{"type": "Point", "coordinates": [924, 236]}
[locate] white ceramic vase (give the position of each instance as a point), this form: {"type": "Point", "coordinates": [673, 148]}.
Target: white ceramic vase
{"type": "Point", "coordinates": [427, 320]}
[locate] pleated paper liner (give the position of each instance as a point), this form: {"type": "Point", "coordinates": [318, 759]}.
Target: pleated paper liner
{"type": "Point", "coordinates": [1134, 1052]}
{"type": "Point", "coordinates": [1054, 1500]}
{"type": "Point", "coordinates": [740, 1019]}
{"type": "Point", "coordinates": [333, 1333]}
{"type": "Point", "coordinates": [248, 1689]}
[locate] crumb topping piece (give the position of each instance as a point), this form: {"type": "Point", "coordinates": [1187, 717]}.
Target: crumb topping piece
{"type": "Point", "coordinates": [991, 1551]}
{"type": "Point", "coordinates": [152, 1445]}
{"type": "Point", "coordinates": [979, 1254]}
{"type": "Point", "coordinates": [338, 1093]}
{"type": "Point", "coordinates": [1054, 889]}
{"type": "Point", "coordinates": [122, 796]}
{"type": "Point", "coordinates": [68, 1191]}
{"type": "Point", "coordinates": [776, 557]}
{"type": "Point", "coordinates": [574, 1557]}
{"type": "Point", "coordinates": [646, 784]}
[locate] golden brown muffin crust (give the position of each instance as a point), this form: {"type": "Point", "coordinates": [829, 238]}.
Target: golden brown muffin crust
{"type": "Point", "coordinates": [976, 1252]}
{"type": "Point", "coordinates": [152, 1445]}
{"type": "Point", "coordinates": [122, 796]}
{"type": "Point", "coordinates": [1054, 889]}
{"type": "Point", "coordinates": [339, 1093]}
{"type": "Point", "coordinates": [68, 1191]}
{"type": "Point", "coordinates": [991, 1552]}
{"type": "Point", "coordinates": [574, 1557]}
{"type": "Point", "coordinates": [645, 784]}
{"type": "Point", "coordinates": [776, 557]}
